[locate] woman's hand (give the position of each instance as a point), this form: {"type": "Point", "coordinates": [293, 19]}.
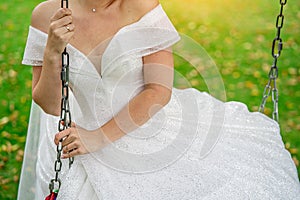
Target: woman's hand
{"type": "Point", "coordinates": [79, 141]}
{"type": "Point", "coordinates": [61, 30]}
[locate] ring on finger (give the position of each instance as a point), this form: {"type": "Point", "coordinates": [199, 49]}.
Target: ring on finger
{"type": "Point", "coordinates": [68, 28]}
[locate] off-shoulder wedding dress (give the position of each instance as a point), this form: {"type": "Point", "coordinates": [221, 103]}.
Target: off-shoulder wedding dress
{"type": "Point", "coordinates": [196, 147]}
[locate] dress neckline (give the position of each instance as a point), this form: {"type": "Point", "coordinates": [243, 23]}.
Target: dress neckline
{"type": "Point", "coordinates": [113, 37]}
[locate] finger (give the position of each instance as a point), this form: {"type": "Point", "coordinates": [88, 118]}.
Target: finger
{"type": "Point", "coordinates": [69, 139]}
{"type": "Point", "coordinates": [72, 123]}
{"type": "Point", "coordinates": [61, 135]}
{"type": "Point", "coordinates": [73, 153]}
{"type": "Point", "coordinates": [69, 28]}
{"type": "Point", "coordinates": [60, 13]}
{"type": "Point", "coordinates": [70, 147]}
{"type": "Point", "coordinates": [67, 20]}
{"type": "Point", "coordinates": [63, 35]}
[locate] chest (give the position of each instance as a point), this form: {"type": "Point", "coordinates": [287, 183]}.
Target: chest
{"type": "Point", "coordinates": [94, 33]}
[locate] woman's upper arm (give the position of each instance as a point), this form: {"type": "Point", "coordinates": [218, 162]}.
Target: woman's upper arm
{"type": "Point", "coordinates": [36, 73]}
{"type": "Point", "coordinates": [158, 70]}
{"type": "Point", "coordinates": [40, 19]}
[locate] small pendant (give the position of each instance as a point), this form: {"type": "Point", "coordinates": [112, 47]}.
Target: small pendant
{"type": "Point", "coordinates": [94, 10]}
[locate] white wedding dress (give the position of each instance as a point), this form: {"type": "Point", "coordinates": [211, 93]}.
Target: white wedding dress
{"type": "Point", "coordinates": [196, 147]}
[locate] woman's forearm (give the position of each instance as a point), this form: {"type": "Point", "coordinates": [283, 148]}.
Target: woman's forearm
{"type": "Point", "coordinates": [47, 91]}
{"type": "Point", "coordinates": [137, 112]}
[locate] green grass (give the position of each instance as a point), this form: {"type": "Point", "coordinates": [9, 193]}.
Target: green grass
{"type": "Point", "coordinates": [236, 34]}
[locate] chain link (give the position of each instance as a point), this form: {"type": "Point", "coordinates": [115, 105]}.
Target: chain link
{"type": "Point", "coordinates": [64, 4]}
{"type": "Point", "coordinates": [65, 115]}
{"type": "Point", "coordinates": [277, 47]}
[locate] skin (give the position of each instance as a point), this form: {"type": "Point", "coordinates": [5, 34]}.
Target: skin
{"type": "Point", "coordinates": [86, 30]}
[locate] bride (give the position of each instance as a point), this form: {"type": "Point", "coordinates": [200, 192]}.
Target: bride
{"type": "Point", "coordinates": [133, 135]}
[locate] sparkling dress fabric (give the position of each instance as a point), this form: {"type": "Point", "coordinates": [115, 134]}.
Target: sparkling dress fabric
{"type": "Point", "coordinates": [196, 147]}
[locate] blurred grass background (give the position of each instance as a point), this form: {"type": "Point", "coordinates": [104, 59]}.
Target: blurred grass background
{"type": "Point", "coordinates": [236, 34]}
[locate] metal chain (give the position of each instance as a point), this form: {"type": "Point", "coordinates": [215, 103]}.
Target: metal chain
{"type": "Point", "coordinates": [65, 115]}
{"type": "Point", "coordinates": [277, 46]}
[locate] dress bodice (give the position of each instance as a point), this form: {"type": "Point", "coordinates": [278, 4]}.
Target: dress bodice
{"type": "Point", "coordinates": [99, 98]}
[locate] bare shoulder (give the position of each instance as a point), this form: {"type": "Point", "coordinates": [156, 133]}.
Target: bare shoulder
{"type": "Point", "coordinates": [138, 8]}
{"type": "Point", "coordinates": [42, 13]}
